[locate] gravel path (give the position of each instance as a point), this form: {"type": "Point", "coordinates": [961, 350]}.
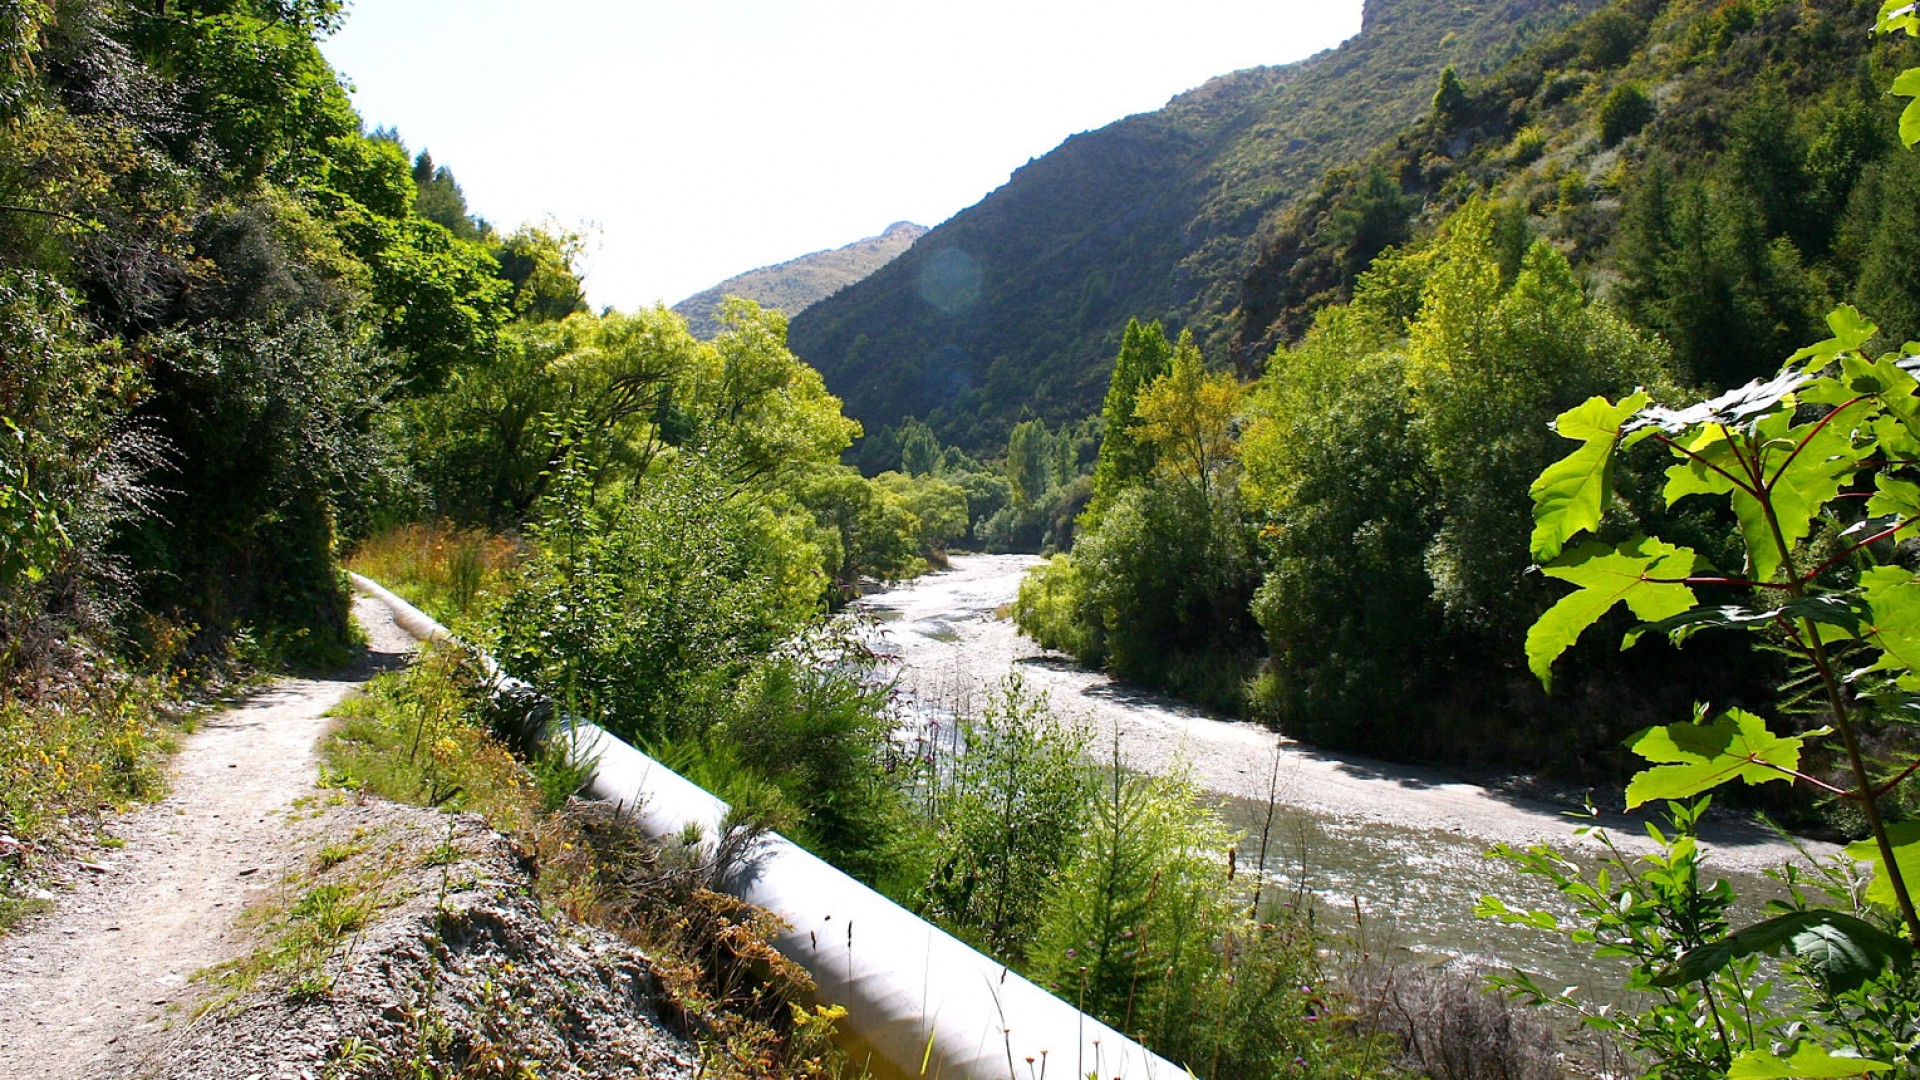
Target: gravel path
{"type": "Point", "coordinates": [84, 988]}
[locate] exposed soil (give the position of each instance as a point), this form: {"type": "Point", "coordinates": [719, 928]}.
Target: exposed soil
{"type": "Point", "coordinates": [457, 968]}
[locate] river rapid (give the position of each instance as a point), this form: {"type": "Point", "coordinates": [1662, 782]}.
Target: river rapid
{"type": "Point", "coordinates": [1391, 856]}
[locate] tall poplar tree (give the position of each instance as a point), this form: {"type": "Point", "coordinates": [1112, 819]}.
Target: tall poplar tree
{"type": "Point", "coordinates": [1145, 355]}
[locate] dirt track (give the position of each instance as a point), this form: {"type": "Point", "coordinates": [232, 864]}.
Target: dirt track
{"type": "Point", "coordinates": [84, 988]}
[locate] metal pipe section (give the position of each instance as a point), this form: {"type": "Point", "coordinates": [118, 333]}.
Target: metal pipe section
{"type": "Point", "coordinates": [920, 1002]}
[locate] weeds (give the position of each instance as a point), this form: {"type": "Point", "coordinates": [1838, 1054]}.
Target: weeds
{"type": "Point", "coordinates": [315, 912]}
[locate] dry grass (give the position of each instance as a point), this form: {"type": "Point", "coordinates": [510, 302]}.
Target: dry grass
{"type": "Point", "coordinates": [450, 573]}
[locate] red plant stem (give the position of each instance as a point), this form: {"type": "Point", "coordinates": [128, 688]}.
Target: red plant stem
{"type": "Point", "coordinates": [1683, 451]}
{"type": "Point", "coordinates": [1874, 539]}
{"type": "Point", "coordinates": [1891, 784]}
{"type": "Point", "coordinates": [1836, 704]}
{"type": "Point", "coordinates": [1808, 438]}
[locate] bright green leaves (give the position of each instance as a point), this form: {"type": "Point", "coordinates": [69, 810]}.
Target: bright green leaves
{"type": "Point", "coordinates": [1850, 329]}
{"type": "Point", "coordinates": [1693, 758]}
{"type": "Point", "coordinates": [1646, 574]}
{"type": "Point", "coordinates": [1908, 85]}
{"type": "Point", "coordinates": [1844, 951]}
{"type": "Point", "coordinates": [1904, 838]}
{"type": "Point", "coordinates": [1897, 16]}
{"type": "Point", "coordinates": [1571, 495]}
{"type": "Point", "coordinates": [1892, 596]}
{"type": "Point", "coordinates": [1778, 478]}
{"type": "Point", "coordinates": [1809, 1063]}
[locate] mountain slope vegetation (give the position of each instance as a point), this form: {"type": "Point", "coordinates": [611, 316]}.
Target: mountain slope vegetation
{"type": "Point", "coordinates": [1012, 308]}
{"type": "Point", "coordinates": [1721, 171]}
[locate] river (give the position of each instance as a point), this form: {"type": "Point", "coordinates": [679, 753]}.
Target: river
{"type": "Point", "coordinates": [1392, 855]}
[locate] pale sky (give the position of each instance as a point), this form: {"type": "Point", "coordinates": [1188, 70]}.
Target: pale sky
{"type": "Point", "coordinates": [699, 139]}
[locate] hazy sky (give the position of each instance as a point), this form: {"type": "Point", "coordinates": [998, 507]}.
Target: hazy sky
{"type": "Point", "coordinates": [700, 139]}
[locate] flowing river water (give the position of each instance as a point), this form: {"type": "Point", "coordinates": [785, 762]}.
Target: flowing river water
{"type": "Point", "coordinates": [1392, 856]}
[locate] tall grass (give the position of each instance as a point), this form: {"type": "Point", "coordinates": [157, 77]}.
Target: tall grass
{"type": "Point", "coordinates": [451, 573]}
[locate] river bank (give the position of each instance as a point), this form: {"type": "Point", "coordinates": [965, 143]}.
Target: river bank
{"type": "Point", "coordinates": [1400, 848]}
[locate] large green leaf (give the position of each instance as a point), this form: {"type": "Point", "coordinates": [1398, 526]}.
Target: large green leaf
{"type": "Point", "coordinates": [1908, 85]}
{"type": "Point", "coordinates": [1843, 950]}
{"type": "Point", "coordinates": [1905, 837]}
{"type": "Point", "coordinates": [1897, 15]}
{"type": "Point", "coordinates": [1894, 497]}
{"type": "Point", "coordinates": [1805, 468]}
{"type": "Point", "coordinates": [1810, 1062]}
{"type": "Point", "coordinates": [1570, 495]}
{"type": "Point", "coordinates": [1692, 758]}
{"type": "Point", "coordinates": [1892, 596]}
{"type": "Point", "coordinates": [1630, 573]}
{"type": "Point", "coordinates": [1850, 331]}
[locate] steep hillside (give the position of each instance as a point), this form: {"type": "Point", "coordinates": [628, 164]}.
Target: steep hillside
{"type": "Point", "coordinates": [1724, 172]}
{"type": "Point", "coordinates": [797, 284]}
{"type": "Point", "coordinates": [1015, 305]}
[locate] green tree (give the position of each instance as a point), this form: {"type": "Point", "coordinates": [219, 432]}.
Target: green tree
{"type": "Point", "coordinates": [1186, 417]}
{"type": "Point", "coordinates": [1623, 112]}
{"type": "Point", "coordinates": [1008, 807]}
{"type": "Point", "coordinates": [1449, 99]}
{"type": "Point", "coordinates": [1145, 355]}
{"type": "Point", "coordinates": [1029, 463]}
{"type": "Point", "coordinates": [540, 262]}
{"type": "Point", "coordinates": [919, 449]}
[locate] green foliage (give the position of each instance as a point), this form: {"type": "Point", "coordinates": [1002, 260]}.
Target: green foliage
{"type": "Point", "coordinates": [919, 449]}
{"type": "Point", "coordinates": [637, 612]}
{"type": "Point", "coordinates": [805, 740]}
{"type": "Point", "coordinates": [271, 435]}
{"type": "Point", "coordinates": [1051, 609]}
{"type": "Point", "coordinates": [1608, 38]}
{"type": "Point", "coordinates": [62, 404]}
{"type": "Point", "coordinates": [1145, 355]}
{"type": "Point", "coordinates": [1650, 912]}
{"type": "Point", "coordinates": [938, 508]}
{"type": "Point", "coordinates": [539, 262]}
{"type": "Point", "coordinates": [1007, 800]}
{"type": "Point", "coordinates": [1783, 453]}
{"type": "Point", "coordinates": [1029, 468]}
{"type": "Point", "coordinates": [1449, 99]}
{"type": "Point", "coordinates": [1136, 901]}
{"type": "Point", "coordinates": [1382, 458]}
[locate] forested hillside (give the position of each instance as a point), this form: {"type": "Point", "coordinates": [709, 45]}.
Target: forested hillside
{"type": "Point", "coordinates": [1012, 308]}
{"type": "Point", "coordinates": [797, 284]}
{"type": "Point", "coordinates": [1723, 172]}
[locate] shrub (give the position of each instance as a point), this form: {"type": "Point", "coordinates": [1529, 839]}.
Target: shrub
{"type": "Point", "coordinates": [1625, 110]}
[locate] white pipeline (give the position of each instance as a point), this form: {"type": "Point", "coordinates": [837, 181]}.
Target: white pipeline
{"type": "Point", "coordinates": [920, 1003]}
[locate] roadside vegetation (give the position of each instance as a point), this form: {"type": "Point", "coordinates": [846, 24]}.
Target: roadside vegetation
{"type": "Point", "coordinates": [421, 737]}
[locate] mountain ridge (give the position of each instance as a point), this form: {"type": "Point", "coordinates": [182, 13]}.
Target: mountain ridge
{"type": "Point", "coordinates": [796, 284]}
{"type": "Point", "coordinates": [1012, 308]}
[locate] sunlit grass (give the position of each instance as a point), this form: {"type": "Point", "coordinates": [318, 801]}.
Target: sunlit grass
{"type": "Point", "coordinates": [452, 574]}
